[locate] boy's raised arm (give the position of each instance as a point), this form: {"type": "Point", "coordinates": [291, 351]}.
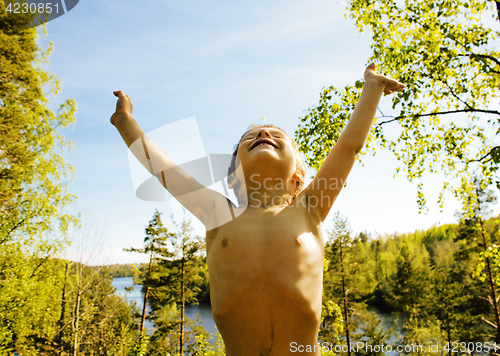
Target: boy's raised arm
{"type": "Point", "coordinates": [194, 196]}
{"type": "Point", "coordinates": [330, 179]}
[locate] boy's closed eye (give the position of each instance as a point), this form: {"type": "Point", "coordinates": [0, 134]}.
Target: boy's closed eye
{"type": "Point", "coordinates": [252, 137]}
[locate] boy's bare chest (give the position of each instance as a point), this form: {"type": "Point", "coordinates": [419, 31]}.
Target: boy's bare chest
{"type": "Point", "coordinates": [265, 236]}
{"type": "Point", "coordinates": [277, 248]}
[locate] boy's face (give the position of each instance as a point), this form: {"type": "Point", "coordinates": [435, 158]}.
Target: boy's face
{"type": "Point", "coordinates": [267, 147]}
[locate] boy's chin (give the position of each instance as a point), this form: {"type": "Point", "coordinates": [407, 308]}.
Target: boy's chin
{"type": "Point", "coordinates": [264, 154]}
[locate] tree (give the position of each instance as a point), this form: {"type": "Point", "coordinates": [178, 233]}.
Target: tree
{"type": "Point", "coordinates": [453, 295]}
{"type": "Point", "coordinates": [33, 187]}
{"type": "Point", "coordinates": [346, 281]}
{"type": "Point", "coordinates": [407, 291]}
{"type": "Point", "coordinates": [482, 241]}
{"type": "Point", "coordinates": [178, 277]}
{"type": "Point", "coordinates": [341, 240]}
{"type": "Point", "coordinates": [408, 288]}
{"type": "Point", "coordinates": [29, 287]}
{"type": "Point", "coordinates": [154, 246]}
{"type": "Point", "coordinates": [372, 334]}
{"type": "Point", "coordinates": [100, 322]}
{"type": "Point", "coordinates": [173, 278]}
{"type": "Point", "coordinates": [93, 320]}
{"type": "Point", "coordinates": [46, 304]}
{"type": "Point", "coordinates": [447, 118]}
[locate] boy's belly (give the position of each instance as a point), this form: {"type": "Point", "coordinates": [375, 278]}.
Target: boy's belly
{"type": "Point", "coordinates": [266, 291]}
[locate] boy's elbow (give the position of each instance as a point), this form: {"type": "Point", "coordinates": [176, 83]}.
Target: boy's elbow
{"type": "Point", "coordinates": [357, 149]}
{"type": "Point", "coordinates": [353, 148]}
{"type": "Point", "coordinates": [350, 145]}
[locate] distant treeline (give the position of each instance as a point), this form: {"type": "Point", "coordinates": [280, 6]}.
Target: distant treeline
{"type": "Point", "coordinates": [122, 270]}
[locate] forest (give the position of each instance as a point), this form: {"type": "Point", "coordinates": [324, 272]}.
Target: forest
{"type": "Point", "coordinates": [438, 286]}
{"type": "Point", "coordinates": [428, 287]}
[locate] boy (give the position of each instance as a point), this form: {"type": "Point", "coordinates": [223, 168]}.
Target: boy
{"type": "Point", "coordinates": [265, 256]}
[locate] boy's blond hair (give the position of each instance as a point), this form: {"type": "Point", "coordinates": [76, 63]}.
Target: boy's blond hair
{"type": "Point", "coordinates": [300, 164]}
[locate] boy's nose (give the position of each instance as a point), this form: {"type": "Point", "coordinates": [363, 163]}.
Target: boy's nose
{"type": "Point", "coordinates": [263, 132]}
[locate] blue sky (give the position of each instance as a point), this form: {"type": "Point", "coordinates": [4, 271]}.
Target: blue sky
{"type": "Point", "coordinates": [226, 63]}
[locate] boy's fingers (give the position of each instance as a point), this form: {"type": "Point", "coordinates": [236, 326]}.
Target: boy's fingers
{"type": "Point", "coordinates": [118, 93]}
{"type": "Point", "coordinates": [371, 66]}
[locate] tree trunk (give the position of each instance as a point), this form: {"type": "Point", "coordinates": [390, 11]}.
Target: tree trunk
{"type": "Point", "coordinates": [144, 309]}
{"type": "Point", "coordinates": [63, 307]}
{"type": "Point", "coordinates": [344, 296]}
{"type": "Point", "coordinates": [448, 332]}
{"type": "Point", "coordinates": [491, 282]}
{"type": "Point", "coordinates": [146, 294]}
{"type": "Point", "coordinates": [181, 346]}
{"type": "Point", "coordinates": [77, 313]}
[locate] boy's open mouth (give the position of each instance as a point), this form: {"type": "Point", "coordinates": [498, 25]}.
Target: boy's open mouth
{"type": "Point", "coordinates": [263, 141]}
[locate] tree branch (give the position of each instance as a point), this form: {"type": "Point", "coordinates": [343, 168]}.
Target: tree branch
{"type": "Point", "coordinates": [11, 230]}
{"type": "Point", "coordinates": [498, 9]}
{"type": "Point", "coordinates": [456, 96]}
{"type": "Point", "coordinates": [489, 322]}
{"type": "Point", "coordinates": [486, 155]}
{"type": "Point", "coordinates": [483, 56]}
{"type": "Point", "coordinates": [396, 118]}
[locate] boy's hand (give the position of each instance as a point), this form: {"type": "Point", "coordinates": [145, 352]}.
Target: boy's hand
{"type": "Point", "coordinates": [390, 85]}
{"type": "Point", "coordinates": [123, 106]}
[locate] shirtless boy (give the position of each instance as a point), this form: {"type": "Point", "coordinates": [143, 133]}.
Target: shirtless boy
{"type": "Point", "coordinates": [266, 263]}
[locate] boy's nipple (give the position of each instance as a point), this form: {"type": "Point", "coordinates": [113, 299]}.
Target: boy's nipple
{"type": "Point", "coordinates": [224, 242]}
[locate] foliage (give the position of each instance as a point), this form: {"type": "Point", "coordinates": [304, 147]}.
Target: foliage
{"type": "Point", "coordinates": [28, 311]}
{"type": "Point", "coordinates": [175, 281]}
{"type": "Point", "coordinates": [103, 323]}
{"type": "Point", "coordinates": [204, 348]}
{"type": "Point", "coordinates": [493, 253]}
{"type": "Point", "coordinates": [332, 323]}
{"type": "Point", "coordinates": [176, 263]}
{"type": "Point", "coordinates": [372, 332]}
{"type": "Point", "coordinates": [447, 118]}
{"type": "Point", "coordinates": [31, 308]}
{"type": "Point", "coordinates": [349, 279]}
{"type": "Point", "coordinates": [33, 189]}
{"type": "Point", "coordinates": [408, 288]}
{"type": "Point", "coordinates": [141, 347]}
{"type": "Point", "coordinates": [47, 305]}
{"type": "Point", "coordinates": [422, 281]}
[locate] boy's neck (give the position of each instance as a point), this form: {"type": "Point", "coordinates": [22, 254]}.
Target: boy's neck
{"type": "Point", "coordinates": [269, 192]}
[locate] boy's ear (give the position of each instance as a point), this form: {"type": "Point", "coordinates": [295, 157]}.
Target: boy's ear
{"type": "Point", "coordinates": [298, 177]}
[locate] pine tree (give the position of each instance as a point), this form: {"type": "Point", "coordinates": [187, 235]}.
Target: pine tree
{"type": "Point", "coordinates": [346, 280]}
{"type": "Point", "coordinates": [178, 279]}
{"type": "Point", "coordinates": [172, 280]}
{"type": "Point", "coordinates": [155, 245]}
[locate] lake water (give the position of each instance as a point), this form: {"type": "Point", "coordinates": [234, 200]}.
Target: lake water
{"type": "Point", "coordinates": [191, 311]}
